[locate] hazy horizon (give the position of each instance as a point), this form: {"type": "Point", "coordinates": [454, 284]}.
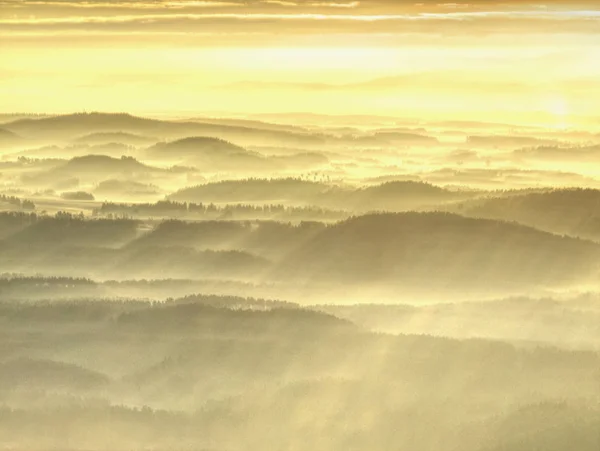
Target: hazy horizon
{"type": "Point", "coordinates": [487, 60]}
{"type": "Point", "coordinates": [299, 225]}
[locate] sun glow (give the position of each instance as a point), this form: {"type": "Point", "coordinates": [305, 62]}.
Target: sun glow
{"type": "Point", "coordinates": [559, 108]}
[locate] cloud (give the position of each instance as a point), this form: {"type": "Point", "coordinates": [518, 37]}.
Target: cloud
{"type": "Point", "coordinates": [421, 81]}
{"type": "Point", "coordinates": [255, 6]}
{"type": "Point", "coordinates": [118, 4]}
{"type": "Point", "coordinates": [491, 22]}
{"type": "Point", "coordinates": [258, 21]}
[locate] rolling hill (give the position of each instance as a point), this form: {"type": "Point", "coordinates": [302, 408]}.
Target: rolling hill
{"type": "Point", "coordinates": [37, 374]}
{"type": "Point", "coordinates": [9, 139]}
{"type": "Point", "coordinates": [72, 126]}
{"type": "Point", "coordinates": [130, 139]}
{"type": "Point", "coordinates": [209, 154]}
{"type": "Point", "coordinates": [388, 196]}
{"type": "Point", "coordinates": [401, 196]}
{"type": "Point", "coordinates": [252, 190]}
{"type": "Point", "coordinates": [123, 187]}
{"type": "Point", "coordinates": [590, 153]}
{"type": "Point", "coordinates": [92, 168]}
{"type": "Point", "coordinates": [574, 212]}
{"type": "Point", "coordinates": [426, 250]}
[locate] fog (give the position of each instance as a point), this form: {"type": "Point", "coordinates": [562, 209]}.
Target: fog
{"type": "Point", "coordinates": [297, 282]}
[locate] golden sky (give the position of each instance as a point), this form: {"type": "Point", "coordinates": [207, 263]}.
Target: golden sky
{"type": "Point", "coordinates": [511, 60]}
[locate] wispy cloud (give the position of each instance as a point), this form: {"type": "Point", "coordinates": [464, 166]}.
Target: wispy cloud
{"type": "Point", "coordinates": [283, 18]}
{"type": "Point", "coordinates": [546, 15]}
{"type": "Point", "coordinates": [177, 4]}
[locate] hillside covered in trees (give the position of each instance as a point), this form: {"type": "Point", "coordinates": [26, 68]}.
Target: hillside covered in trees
{"type": "Point", "coordinates": [297, 282]}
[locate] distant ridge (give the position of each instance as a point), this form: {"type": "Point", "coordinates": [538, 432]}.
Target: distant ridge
{"type": "Point", "coordinates": [441, 249]}
{"type": "Point", "coordinates": [118, 137]}
{"type": "Point", "coordinates": [250, 190]}
{"type": "Point", "coordinates": [194, 146]}
{"type": "Point", "coordinates": [72, 126]}
{"type": "Point", "coordinates": [210, 154]}
{"type": "Point", "coordinates": [9, 138]}
{"type": "Point", "coordinates": [571, 211]}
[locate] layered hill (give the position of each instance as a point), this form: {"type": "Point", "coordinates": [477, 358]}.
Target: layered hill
{"type": "Point", "coordinates": [423, 250]}
{"type": "Point", "coordinates": [123, 187]}
{"type": "Point", "coordinates": [71, 126]}
{"type": "Point", "coordinates": [402, 196]}
{"type": "Point", "coordinates": [210, 154]}
{"type": "Point", "coordinates": [130, 139]}
{"type": "Point", "coordinates": [579, 154]}
{"type": "Point", "coordinates": [388, 196]}
{"type": "Point", "coordinates": [574, 212]}
{"type": "Point", "coordinates": [46, 374]}
{"type": "Point", "coordinates": [252, 190]}
{"type": "Point", "coordinates": [92, 168]}
{"type": "Point", "coordinates": [77, 150]}
{"type": "Point", "coordinates": [74, 126]}
{"type": "Point", "coordinates": [9, 139]}
{"type": "Point", "coordinates": [70, 245]}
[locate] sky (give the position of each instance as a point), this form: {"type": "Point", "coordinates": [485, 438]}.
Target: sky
{"type": "Point", "coordinates": [515, 61]}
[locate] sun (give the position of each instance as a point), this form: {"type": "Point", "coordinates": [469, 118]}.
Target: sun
{"type": "Point", "coordinates": [558, 107]}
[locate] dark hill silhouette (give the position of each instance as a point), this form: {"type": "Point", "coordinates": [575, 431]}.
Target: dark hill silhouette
{"type": "Point", "coordinates": [13, 221]}
{"type": "Point", "coordinates": [7, 135]}
{"type": "Point", "coordinates": [116, 137]}
{"type": "Point", "coordinates": [72, 126]}
{"type": "Point", "coordinates": [214, 154]}
{"type": "Point", "coordinates": [196, 369]}
{"type": "Point", "coordinates": [13, 203]}
{"type": "Point", "coordinates": [47, 374]}
{"type": "Point", "coordinates": [74, 253]}
{"type": "Point", "coordinates": [184, 261]}
{"type": "Point", "coordinates": [77, 195]}
{"type": "Point", "coordinates": [551, 426]}
{"type": "Point", "coordinates": [265, 237]}
{"type": "Point", "coordinates": [119, 187]}
{"type": "Point", "coordinates": [234, 302]}
{"type": "Point", "coordinates": [167, 209]}
{"type": "Point", "coordinates": [201, 235]}
{"type": "Point", "coordinates": [15, 288]}
{"type": "Point", "coordinates": [93, 168]}
{"type": "Point", "coordinates": [209, 154]}
{"type": "Point", "coordinates": [78, 150]}
{"type": "Point", "coordinates": [65, 229]}
{"type": "Point", "coordinates": [197, 146]}
{"type": "Point", "coordinates": [9, 139]}
{"type": "Point", "coordinates": [574, 212]}
{"type": "Point", "coordinates": [149, 262]}
{"type": "Point", "coordinates": [191, 315]}
{"type": "Point", "coordinates": [389, 196]}
{"type": "Point", "coordinates": [560, 153]}
{"type": "Point", "coordinates": [403, 195]}
{"type": "Point", "coordinates": [261, 125]}
{"type": "Point", "coordinates": [439, 249]}
{"type": "Point", "coordinates": [250, 190]}
{"type": "Point", "coordinates": [105, 163]}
